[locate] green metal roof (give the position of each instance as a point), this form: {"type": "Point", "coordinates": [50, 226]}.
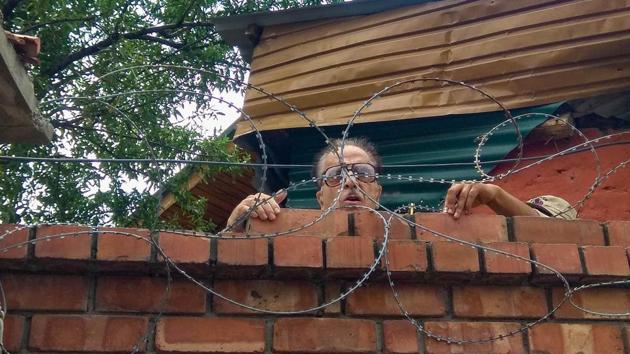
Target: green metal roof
{"type": "Point", "coordinates": [449, 139]}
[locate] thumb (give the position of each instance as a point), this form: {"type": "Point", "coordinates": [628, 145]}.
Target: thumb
{"type": "Point", "coordinates": [280, 196]}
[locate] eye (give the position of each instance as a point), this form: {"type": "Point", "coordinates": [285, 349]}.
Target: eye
{"type": "Point", "coordinates": [365, 172]}
{"type": "Point", "coordinates": [333, 172]}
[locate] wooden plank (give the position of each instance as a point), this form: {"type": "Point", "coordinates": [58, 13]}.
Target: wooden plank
{"type": "Point", "coordinates": [606, 77]}
{"type": "Point", "coordinates": [508, 50]}
{"type": "Point", "coordinates": [326, 32]}
{"type": "Point", "coordinates": [554, 38]}
{"type": "Point", "coordinates": [20, 121]}
{"type": "Point", "coordinates": [216, 200]}
{"type": "Point", "coordinates": [462, 36]}
{"type": "Point", "coordinates": [478, 72]}
{"type": "Point", "coordinates": [298, 29]}
{"type": "Point", "coordinates": [474, 71]}
{"type": "Point", "coordinates": [444, 18]}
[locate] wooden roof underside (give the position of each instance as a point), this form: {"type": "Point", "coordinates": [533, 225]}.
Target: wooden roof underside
{"type": "Point", "coordinates": [223, 191]}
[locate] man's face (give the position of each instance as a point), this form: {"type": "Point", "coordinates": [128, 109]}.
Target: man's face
{"type": "Point", "coordinates": [350, 194]}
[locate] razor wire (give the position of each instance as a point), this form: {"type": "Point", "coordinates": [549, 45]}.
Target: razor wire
{"type": "Point", "coordinates": [517, 166]}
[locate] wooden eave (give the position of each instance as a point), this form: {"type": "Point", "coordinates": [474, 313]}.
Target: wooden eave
{"type": "Point", "coordinates": [525, 53]}
{"type": "Point", "coordinates": [222, 191]}
{"type": "Point", "coordinates": [20, 121]}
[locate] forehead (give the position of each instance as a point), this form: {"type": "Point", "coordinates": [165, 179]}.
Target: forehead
{"type": "Point", "coordinates": [351, 154]}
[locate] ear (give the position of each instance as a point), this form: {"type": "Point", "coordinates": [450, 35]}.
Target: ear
{"type": "Point", "coordinates": [318, 195]}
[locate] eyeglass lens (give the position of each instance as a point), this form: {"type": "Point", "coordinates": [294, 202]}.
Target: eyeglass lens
{"type": "Point", "coordinates": [364, 172]}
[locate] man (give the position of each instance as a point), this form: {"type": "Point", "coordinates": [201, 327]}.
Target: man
{"type": "Point", "coordinates": [361, 187]}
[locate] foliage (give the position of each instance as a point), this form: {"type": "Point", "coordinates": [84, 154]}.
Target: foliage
{"type": "Point", "coordinates": [135, 113]}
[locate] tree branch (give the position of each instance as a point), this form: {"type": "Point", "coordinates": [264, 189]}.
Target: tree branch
{"type": "Point", "coordinates": [115, 38]}
{"type": "Point", "coordinates": [186, 12]}
{"type": "Point", "coordinates": [163, 41]}
{"type": "Point", "coordinates": [54, 22]}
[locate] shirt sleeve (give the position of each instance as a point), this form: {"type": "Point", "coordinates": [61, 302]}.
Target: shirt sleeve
{"type": "Point", "coordinates": [552, 206]}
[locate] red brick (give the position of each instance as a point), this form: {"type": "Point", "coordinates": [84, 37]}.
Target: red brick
{"type": "Point", "coordinates": [474, 331]}
{"type": "Point", "coordinates": [553, 230]}
{"type": "Point", "coordinates": [349, 252]}
{"type": "Point", "coordinates": [399, 229]}
{"type": "Point", "coordinates": [324, 335]}
{"type": "Point", "coordinates": [89, 333]}
{"type": "Point", "coordinates": [378, 299]}
{"type": "Point", "coordinates": [298, 252]}
{"type": "Point", "coordinates": [619, 233]}
{"type": "Point", "coordinates": [400, 337]}
{"type": "Point", "coordinates": [77, 244]}
{"type": "Point", "coordinates": [564, 258]}
{"type": "Point", "coordinates": [332, 290]}
{"type": "Point", "coordinates": [123, 247]}
{"type": "Point", "coordinates": [452, 257]}
{"type": "Point", "coordinates": [368, 224]}
{"type": "Point", "coordinates": [604, 300]}
{"type": "Point", "coordinates": [45, 292]}
{"type": "Point", "coordinates": [209, 335]}
{"type": "Point", "coordinates": [13, 331]}
{"type": "Point", "coordinates": [560, 338]}
{"type": "Point", "coordinates": [502, 265]}
{"type": "Point", "coordinates": [406, 256]}
{"type": "Point", "coordinates": [186, 249]}
{"type": "Point", "coordinates": [265, 294]}
{"type": "Point", "coordinates": [146, 294]}
{"type": "Point", "coordinates": [11, 236]}
{"type": "Point", "coordinates": [242, 252]}
{"type": "Point", "coordinates": [333, 224]}
{"type": "Point", "coordinates": [606, 261]}
{"type": "Point", "coordinates": [473, 228]}
{"type": "Point", "coordinates": [499, 301]}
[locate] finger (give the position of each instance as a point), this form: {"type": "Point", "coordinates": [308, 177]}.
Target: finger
{"type": "Point", "coordinates": [277, 199]}
{"type": "Point", "coordinates": [262, 215]}
{"type": "Point", "coordinates": [256, 203]}
{"type": "Point", "coordinates": [472, 198]}
{"type": "Point", "coordinates": [247, 205]}
{"type": "Point", "coordinates": [271, 214]}
{"type": "Point", "coordinates": [461, 200]}
{"type": "Point", "coordinates": [281, 196]}
{"type": "Point", "coordinates": [451, 197]}
{"type": "Point", "coordinates": [275, 208]}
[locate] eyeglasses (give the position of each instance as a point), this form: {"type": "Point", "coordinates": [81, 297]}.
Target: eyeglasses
{"type": "Point", "coordinates": [363, 172]}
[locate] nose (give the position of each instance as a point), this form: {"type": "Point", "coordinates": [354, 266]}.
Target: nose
{"type": "Point", "coordinates": [350, 181]}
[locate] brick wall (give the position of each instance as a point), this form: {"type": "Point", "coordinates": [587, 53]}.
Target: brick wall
{"type": "Point", "coordinates": [106, 291]}
{"type": "Point", "coordinates": [571, 176]}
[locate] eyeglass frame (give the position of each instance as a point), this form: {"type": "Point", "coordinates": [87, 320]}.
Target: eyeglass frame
{"type": "Point", "coordinates": [349, 168]}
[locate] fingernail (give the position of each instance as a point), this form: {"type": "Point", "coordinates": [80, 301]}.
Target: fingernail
{"type": "Point", "coordinates": [450, 211]}
{"type": "Point", "coordinates": [277, 210]}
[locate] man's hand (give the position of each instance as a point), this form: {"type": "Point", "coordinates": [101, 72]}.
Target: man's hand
{"type": "Point", "coordinates": [267, 207]}
{"type": "Point", "coordinates": [462, 197]}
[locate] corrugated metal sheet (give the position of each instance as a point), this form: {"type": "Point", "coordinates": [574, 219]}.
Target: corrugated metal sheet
{"type": "Point", "coordinates": [526, 52]}
{"type": "Point", "coordinates": [422, 141]}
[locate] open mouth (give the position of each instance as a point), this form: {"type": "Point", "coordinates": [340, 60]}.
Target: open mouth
{"type": "Point", "coordinates": [352, 199]}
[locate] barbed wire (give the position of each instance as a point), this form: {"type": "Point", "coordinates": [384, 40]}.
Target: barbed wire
{"type": "Point", "coordinates": [383, 214]}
